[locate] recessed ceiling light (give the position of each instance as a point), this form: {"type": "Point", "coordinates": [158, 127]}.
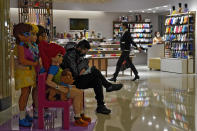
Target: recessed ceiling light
{"type": "Point", "coordinates": [143, 11]}
{"type": "Point", "coordinates": [157, 8]}
{"type": "Point", "coordinates": [154, 11]}
{"type": "Point", "coordinates": [149, 9]}
{"type": "Point", "coordinates": [130, 11]}
{"type": "Point", "coordinates": [165, 6]}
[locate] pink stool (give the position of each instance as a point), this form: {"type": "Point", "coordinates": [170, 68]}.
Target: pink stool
{"type": "Point", "coordinates": [44, 103]}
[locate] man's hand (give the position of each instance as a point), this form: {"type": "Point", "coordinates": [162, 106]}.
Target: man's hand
{"type": "Point", "coordinates": [140, 50]}
{"type": "Point", "coordinates": [82, 71]}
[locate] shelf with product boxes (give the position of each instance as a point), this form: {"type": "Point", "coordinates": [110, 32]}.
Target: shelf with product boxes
{"type": "Point", "coordinates": [179, 43]}
{"type": "Point", "coordinates": [38, 12]}
{"type": "Point", "coordinates": [140, 31]}
{"type": "Point", "coordinates": [101, 52]}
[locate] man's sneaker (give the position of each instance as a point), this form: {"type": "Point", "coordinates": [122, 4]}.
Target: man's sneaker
{"type": "Point", "coordinates": [29, 118]}
{"type": "Point", "coordinates": [112, 79]}
{"type": "Point", "coordinates": [103, 109]}
{"type": "Point", "coordinates": [24, 123]}
{"type": "Point", "coordinates": [114, 87]}
{"type": "Point", "coordinates": [136, 78]}
{"type": "Point", "coordinates": [80, 122]}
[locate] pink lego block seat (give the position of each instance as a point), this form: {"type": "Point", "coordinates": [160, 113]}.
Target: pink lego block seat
{"type": "Point", "coordinates": [44, 103]}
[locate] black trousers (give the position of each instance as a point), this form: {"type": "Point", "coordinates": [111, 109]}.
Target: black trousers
{"type": "Point", "coordinates": [124, 56]}
{"type": "Point", "coordinates": [96, 81]}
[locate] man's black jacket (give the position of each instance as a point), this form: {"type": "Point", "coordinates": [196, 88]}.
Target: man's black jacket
{"type": "Point", "coordinates": [75, 62]}
{"type": "Point", "coordinates": [126, 41]}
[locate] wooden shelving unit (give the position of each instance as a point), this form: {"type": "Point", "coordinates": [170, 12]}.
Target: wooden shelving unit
{"type": "Point", "coordinates": [180, 38]}
{"type": "Point", "coordinates": [140, 31]}
{"type": "Point", "coordinates": [39, 12]}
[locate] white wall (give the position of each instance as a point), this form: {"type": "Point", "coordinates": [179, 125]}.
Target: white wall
{"type": "Point", "coordinates": [98, 21]}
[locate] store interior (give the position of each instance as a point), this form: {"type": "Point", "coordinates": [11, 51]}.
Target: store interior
{"type": "Point", "coordinates": [163, 99]}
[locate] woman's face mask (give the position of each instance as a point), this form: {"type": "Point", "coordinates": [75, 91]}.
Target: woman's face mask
{"type": "Point", "coordinates": [158, 34]}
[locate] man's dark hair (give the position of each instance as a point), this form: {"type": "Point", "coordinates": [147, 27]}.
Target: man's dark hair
{"type": "Point", "coordinates": [125, 24]}
{"type": "Point", "coordinates": [84, 44]}
{"type": "Point", "coordinates": [41, 30]}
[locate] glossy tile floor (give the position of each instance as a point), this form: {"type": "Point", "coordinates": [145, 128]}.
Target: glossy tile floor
{"type": "Point", "coordinates": [159, 101]}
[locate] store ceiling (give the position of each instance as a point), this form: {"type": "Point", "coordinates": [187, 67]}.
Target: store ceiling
{"type": "Point", "coordinates": [146, 6]}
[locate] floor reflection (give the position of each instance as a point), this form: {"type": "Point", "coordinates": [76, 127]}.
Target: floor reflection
{"type": "Point", "coordinates": [160, 101]}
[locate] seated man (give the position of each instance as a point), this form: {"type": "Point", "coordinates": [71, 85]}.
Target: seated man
{"type": "Point", "coordinates": [88, 77]}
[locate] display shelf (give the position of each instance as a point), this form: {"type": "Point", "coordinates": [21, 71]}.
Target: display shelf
{"type": "Point", "coordinates": [106, 46]}
{"type": "Point", "coordinates": [142, 37]}
{"type": "Point", "coordinates": [180, 33]}
{"type": "Point", "coordinates": [101, 52]}
{"type": "Point", "coordinates": [142, 22]}
{"type": "Point", "coordinates": [37, 12]}
{"type": "Point", "coordinates": [179, 24]}
{"type": "Point", "coordinates": [138, 30]}
{"type": "Point", "coordinates": [104, 52]}
{"type": "Point", "coordinates": [141, 32]}
{"type": "Point", "coordinates": [143, 42]}
{"type": "Point", "coordinates": [180, 14]}
{"type": "Point", "coordinates": [179, 41]}
{"type": "Point", "coordinates": [180, 38]}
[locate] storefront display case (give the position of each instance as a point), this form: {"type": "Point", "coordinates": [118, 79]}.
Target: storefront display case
{"type": "Point", "coordinates": [179, 43]}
